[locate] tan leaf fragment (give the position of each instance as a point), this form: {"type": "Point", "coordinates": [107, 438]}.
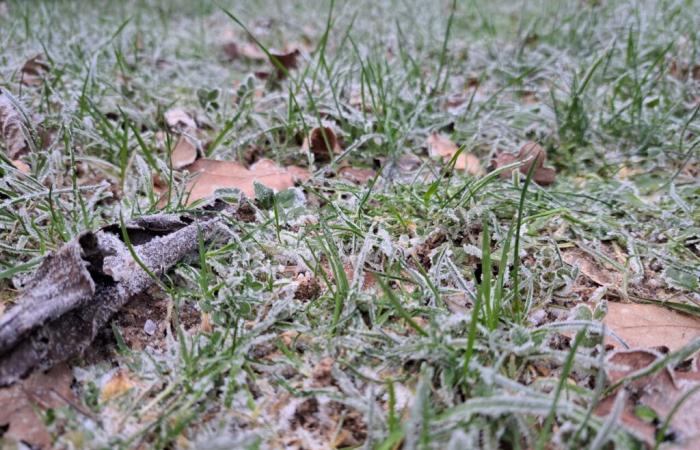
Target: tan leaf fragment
{"type": "Point", "coordinates": [443, 147]}
{"type": "Point", "coordinates": [591, 269]}
{"type": "Point", "coordinates": [12, 128]}
{"type": "Point", "coordinates": [646, 326]}
{"type": "Point", "coordinates": [184, 153]}
{"type": "Point", "coordinates": [22, 401]}
{"type": "Point", "coordinates": [213, 175]}
{"type": "Point", "coordinates": [118, 384]}
{"type": "Point", "coordinates": [205, 323]}
{"type": "Point", "coordinates": [33, 70]}
{"type": "Point", "coordinates": [21, 166]}
{"type": "Point", "coordinates": [530, 153]}
{"type": "Point", "coordinates": [358, 175]}
{"type": "Point", "coordinates": [660, 392]}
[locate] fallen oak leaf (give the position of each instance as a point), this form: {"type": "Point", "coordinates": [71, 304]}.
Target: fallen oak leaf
{"type": "Point", "coordinates": [212, 175]}
{"type": "Point", "coordinates": [530, 153]}
{"type": "Point", "coordinates": [645, 326]}
{"type": "Point", "coordinates": [20, 417]}
{"type": "Point", "coordinates": [184, 153]}
{"type": "Point", "coordinates": [443, 147]}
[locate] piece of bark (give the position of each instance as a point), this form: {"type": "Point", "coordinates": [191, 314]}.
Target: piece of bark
{"type": "Point", "coordinates": [106, 278]}
{"type": "Point", "coordinates": [60, 284]}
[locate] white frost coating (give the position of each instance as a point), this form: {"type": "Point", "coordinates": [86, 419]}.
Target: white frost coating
{"type": "Point", "coordinates": [385, 244]}
{"type": "Point", "coordinates": [150, 327]}
{"type": "Point", "coordinates": [472, 250]}
{"type": "Point", "coordinates": [360, 261]}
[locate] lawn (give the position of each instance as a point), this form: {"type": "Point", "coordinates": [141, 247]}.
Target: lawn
{"type": "Point", "coordinates": [448, 225]}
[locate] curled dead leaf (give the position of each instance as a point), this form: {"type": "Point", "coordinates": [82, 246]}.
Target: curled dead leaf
{"type": "Point", "coordinates": [179, 120]}
{"type": "Point", "coordinates": [323, 143]}
{"type": "Point", "coordinates": [13, 129]}
{"type": "Point", "coordinates": [443, 147]}
{"type": "Point", "coordinates": [212, 175]}
{"type": "Point", "coordinates": [531, 153]}
{"type": "Point", "coordinates": [33, 70]}
{"type": "Point", "coordinates": [184, 153]}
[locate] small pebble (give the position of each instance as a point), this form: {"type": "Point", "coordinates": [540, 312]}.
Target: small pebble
{"type": "Point", "coordinates": [150, 327]}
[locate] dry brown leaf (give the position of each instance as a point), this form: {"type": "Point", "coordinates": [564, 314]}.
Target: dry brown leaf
{"type": "Point", "coordinates": [645, 326]}
{"type": "Point", "coordinates": [243, 50]}
{"type": "Point", "coordinates": [358, 175]}
{"type": "Point", "coordinates": [33, 70]}
{"type": "Point", "coordinates": [441, 146]}
{"type": "Point", "coordinates": [659, 392]}
{"type": "Point", "coordinates": [683, 71]}
{"type": "Point", "coordinates": [42, 391]}
{"type": "Point", "coordinates": [179, 120]}
{"type": "Point", "coordinates": [530, 153]}
{"type": "Point", "coordinates": [184, 153]}
{"type": "Point", "coordinates": [287, 59]}
{"type": "Point", "coordinates": [591, 269]}
{"type": "Point", "coordinates": [118, 384]}
{"type": "Point", "coordinates": [409, 162]}
{"type": "Point", "coordinates": [213, 175]}
{"type": "Point", "coordinates": [308, 287]}
{"type": "Point", "coordinates": [323, 143]}
{"type": "Point", "coordinates": [12, 128]}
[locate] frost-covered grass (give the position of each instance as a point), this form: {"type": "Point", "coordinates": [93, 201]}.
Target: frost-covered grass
{"type": "Point", "coordinates": [384, 347]}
